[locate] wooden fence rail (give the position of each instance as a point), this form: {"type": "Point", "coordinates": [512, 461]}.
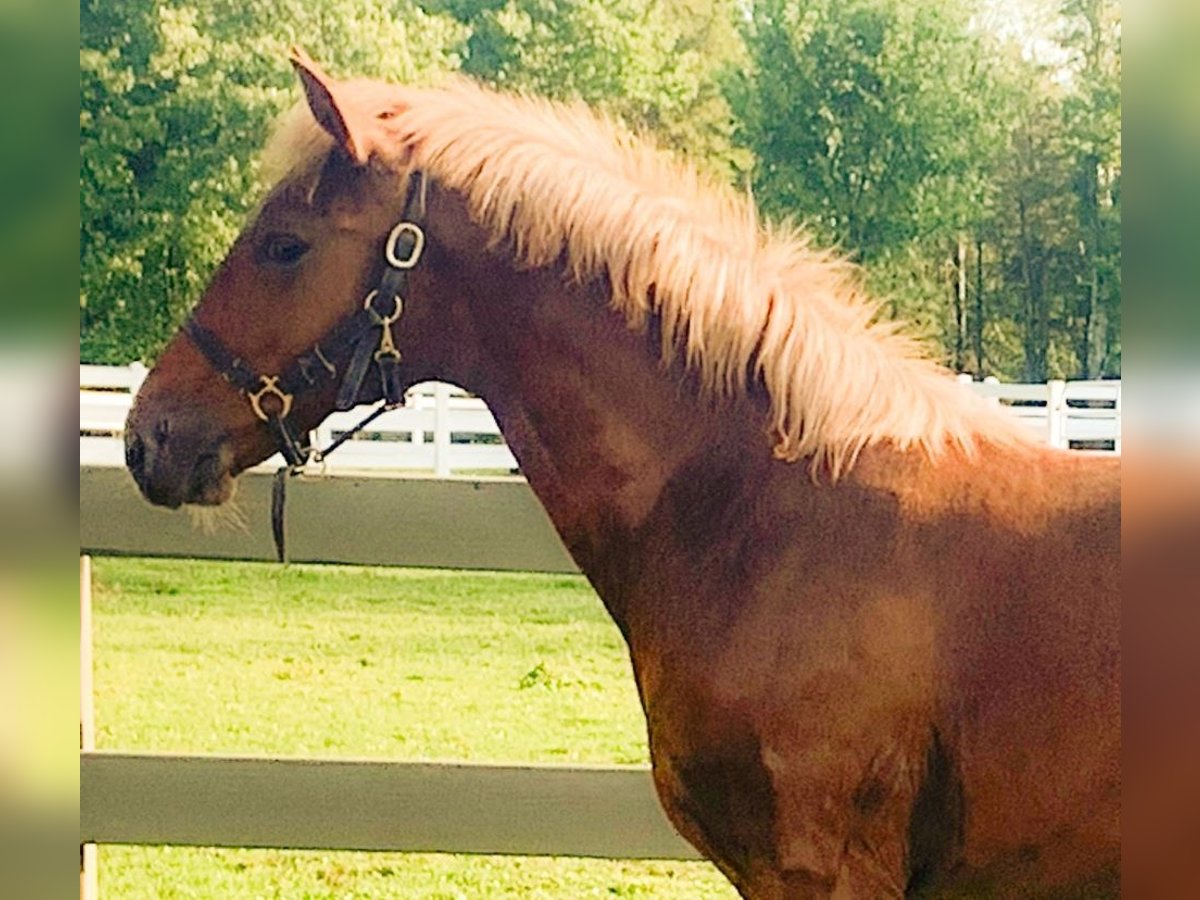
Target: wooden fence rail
{"type": "Point", "coordinates": [344, 804]}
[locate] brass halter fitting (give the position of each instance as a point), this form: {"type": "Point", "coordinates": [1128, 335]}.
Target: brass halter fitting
{"type": "Point", "coordinates": [369, 303]}
{"type": "Point", "coordinates": [270, 388]}
{"type": "Point", "coordinates": [413, 230]}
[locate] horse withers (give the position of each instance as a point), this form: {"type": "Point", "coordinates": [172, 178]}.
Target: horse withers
{"type": "Point", "coordinates": [874, 626]}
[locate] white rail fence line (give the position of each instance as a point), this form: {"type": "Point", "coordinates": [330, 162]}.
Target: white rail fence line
{"type": "Point", "coordinates": [443, 429]}
{"type": "Point", "coordinates": [440, 428]}
{"type": "Point", "coordinates": [356, 804]}
{"type": "Point", "coordinates": [1066, 413]}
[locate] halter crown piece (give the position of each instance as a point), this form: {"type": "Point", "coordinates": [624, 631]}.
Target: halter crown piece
{"type": "Point", "coordinates": [365, 337]}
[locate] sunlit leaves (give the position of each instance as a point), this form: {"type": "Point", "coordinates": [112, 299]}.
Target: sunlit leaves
{"type": "Point", "coordinates": [175, 101]}
{"type": "Point", "coordinates": [657, 66]}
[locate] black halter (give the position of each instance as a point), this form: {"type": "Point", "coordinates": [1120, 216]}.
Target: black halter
{"type": "Point", "coordinates": [362, 338]}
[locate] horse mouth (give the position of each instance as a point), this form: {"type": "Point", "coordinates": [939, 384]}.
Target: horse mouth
{"type": "Point", "coordinates": [212, 480]}
{"type": "Point", "coordinates": [171, 478]}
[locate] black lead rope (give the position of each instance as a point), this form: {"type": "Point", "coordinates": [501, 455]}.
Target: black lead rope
{"type": "Point", "coordinates": [278, 523]}
{"type": "Point", "coordinates": [279, 485]}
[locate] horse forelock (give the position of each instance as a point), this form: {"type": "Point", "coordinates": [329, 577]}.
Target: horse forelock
{"type": "Point", "coordinates": [738, 300]}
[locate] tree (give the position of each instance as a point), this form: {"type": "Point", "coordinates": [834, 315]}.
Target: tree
{"type": "Point", "coordinates": [1055, 225]}
{"type": "Point", "coordinates": [653, 65]}
{"type": "Point", "coordinates": [1091, 31]}
{"type": "Point", "coordinates": [874, 122]}
{"type": "Point", "coordinates": [980, 193]}
{"type": "Point", "coordinates": [851, 107]}
{"type": "Point", "coordinates": [175, 100]}
{"type": "Point", "coordinates": [974, 174]}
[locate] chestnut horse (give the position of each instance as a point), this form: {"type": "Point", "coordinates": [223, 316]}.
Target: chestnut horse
{"type": "Point", "coordinates": [874, 627]}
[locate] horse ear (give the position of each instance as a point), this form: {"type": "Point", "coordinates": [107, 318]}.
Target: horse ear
{"type": "Point", "coordinates": [351, 127]}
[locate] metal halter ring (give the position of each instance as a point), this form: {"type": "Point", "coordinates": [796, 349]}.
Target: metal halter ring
{"type": "Point", "coordinates": [414, 255]}
{"type": "Point", "coordinates": [270, 386]}
{"type": "Point", "coordinates": [396, 310]}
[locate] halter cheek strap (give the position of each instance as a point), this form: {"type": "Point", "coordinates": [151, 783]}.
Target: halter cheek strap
{"type": "Point", "coordinates": [401, 251]}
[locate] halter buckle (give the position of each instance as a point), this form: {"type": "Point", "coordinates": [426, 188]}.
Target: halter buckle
{"type": "Point", "coordinates": [414, 254]}
{"type": "Point", "coordinates": [270, 387]}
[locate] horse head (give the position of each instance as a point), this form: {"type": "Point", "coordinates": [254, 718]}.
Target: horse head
{"type": "Point", "coordinates": [304, 314]}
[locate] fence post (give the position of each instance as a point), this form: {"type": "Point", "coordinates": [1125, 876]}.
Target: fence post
{"type": "Point", "coordinates": [1056, 413]}
{"type": "Point", "coordinates": [992, 399]}
{"type": "Point", "coordinates": [89, 884]}
{"type": "Point", "coordinates": [1117, 413]}
{"type": "Point", "coordinates": [441, 430]}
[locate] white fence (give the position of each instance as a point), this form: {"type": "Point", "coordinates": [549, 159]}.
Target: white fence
{"type": "Point", "coordinates": [440, 429]}
{"type": "Point", "coordinates": [443, 430]}
{"type": "Point", "coordinates": [1068, 414]}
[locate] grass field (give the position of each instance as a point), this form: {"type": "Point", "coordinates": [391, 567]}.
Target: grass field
{"type": "Point", "coordinates": [343, 661]}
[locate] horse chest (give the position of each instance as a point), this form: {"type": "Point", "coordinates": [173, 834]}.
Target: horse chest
{"type": "Point", "coordinates": [773, 754]}
{"type": "Point", "coordinates": [717, 791]}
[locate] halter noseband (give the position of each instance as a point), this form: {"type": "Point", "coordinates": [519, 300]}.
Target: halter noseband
{"type": "Point", "coordinates": [365, 337]}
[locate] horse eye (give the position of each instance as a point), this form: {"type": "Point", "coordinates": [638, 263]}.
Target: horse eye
{"type": "Point", "coordinates": [283, 249]}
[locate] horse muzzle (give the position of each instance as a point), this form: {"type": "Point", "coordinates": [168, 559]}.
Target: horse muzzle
{"type": "Point", "coordinates": [177, 458]}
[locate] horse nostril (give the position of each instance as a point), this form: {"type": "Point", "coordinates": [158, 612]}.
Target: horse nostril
{"type": "Point", "coordinates": [135, 456]}
{"type": "Point", "coordinates": [178, 458]}
{"type": "Point", "coordinates": [162, 428]}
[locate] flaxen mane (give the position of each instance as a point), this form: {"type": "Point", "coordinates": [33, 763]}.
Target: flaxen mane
{"type": "Point", "coordinates": [737, 298]}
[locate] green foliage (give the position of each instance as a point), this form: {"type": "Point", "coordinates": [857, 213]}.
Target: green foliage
{"type": "Point", "coordinates": [979, 187]}
{"type": "Point", "coordinates": [1091, 122]}
{"type": "Point", "coordinates": [175, 100]}
{"type": "Point", "coordinates": [654, 65]}
{"type": "Point", "coordinates": [968, 155]}
{"type": "Point", "coordinates": [854, 108]}
{"type": "Point", "coordinates": [1051, 229]}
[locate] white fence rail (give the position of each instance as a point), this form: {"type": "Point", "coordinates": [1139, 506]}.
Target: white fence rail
{"type": "Point", "coordinates": [350, 804]}
{"type": "Point", "coordinates": [443, 430]}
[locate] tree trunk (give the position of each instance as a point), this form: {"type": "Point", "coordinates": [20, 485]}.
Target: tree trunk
{"type": "Point", "coordinates": [1036, 314]}
{"type": "Point", "coordinates": [1089, 203]}
{"type": "Point", "coordinates": [960, 304]}
{"type": "Point", "coordinates": [976, 322]}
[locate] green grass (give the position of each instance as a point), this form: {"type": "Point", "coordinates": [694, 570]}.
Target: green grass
{"type": "Point", "coordinates": [340, 661]}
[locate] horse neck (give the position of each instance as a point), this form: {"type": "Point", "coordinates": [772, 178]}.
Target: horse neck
{"type": "Point", "coordinates": [599, 424]}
